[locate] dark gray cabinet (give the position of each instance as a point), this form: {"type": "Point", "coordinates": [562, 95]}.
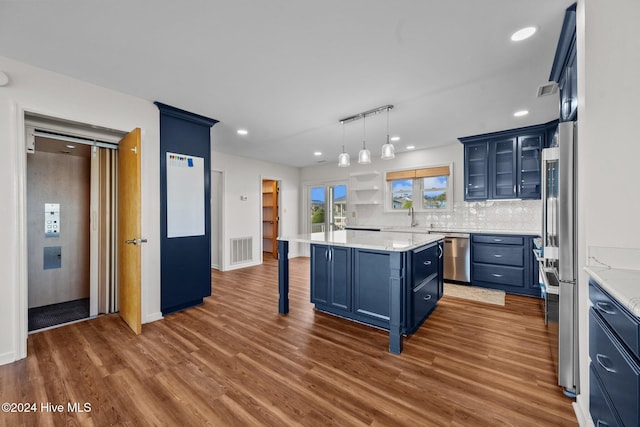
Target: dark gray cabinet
{"type": "Point", "coordinates": [504, 262]}
{"type": "Point", "coordinates": [614, 350]}
{"type": "Point", "coordinates": [504, 165]}
{"type": "Point", "coordinates": [355, 283]}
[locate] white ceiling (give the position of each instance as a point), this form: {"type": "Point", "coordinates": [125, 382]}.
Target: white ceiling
{"type": "Point", "coordinates": [288, 70]}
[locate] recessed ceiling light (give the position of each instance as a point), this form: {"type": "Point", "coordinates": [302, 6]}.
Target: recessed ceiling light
{"type": "Point", "coordinates": [243, 132]}
{"type": "Point", "coordinates": [411, 147]}
{"type": "Point", "coordinates": [70, 146]}
{"type": "Point", "coordinates": [520, 113]}
{"type": "Point", "coordinates": [317, 153]}
{"type": "Point", "coordinates": [394, 138]}
{"type": "Point", "coordinates": [523, 33]}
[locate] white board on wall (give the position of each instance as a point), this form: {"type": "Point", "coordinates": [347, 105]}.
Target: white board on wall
{"type": "Point", "coordinates": [185, 195]}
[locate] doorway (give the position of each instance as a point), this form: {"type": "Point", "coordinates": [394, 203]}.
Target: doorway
{"type": "Point", "coordinates": [270, 217]}
{"type": "Point", "coordinates": [327, 207]}
{"type": "Point", "coordinates": [216, 219]}
{"type": "Point", "coordinates": [71, 213]}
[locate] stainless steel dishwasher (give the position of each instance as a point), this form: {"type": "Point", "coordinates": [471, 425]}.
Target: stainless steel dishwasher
{"type": "Point", "coordinates": [457, 257]}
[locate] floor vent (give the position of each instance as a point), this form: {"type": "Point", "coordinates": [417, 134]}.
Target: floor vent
{"type": "Point", "coordinates": [241, 250]}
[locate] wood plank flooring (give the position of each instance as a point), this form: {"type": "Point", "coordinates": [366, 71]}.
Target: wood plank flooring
{"type": "Point", "coordinates": [234, 361]}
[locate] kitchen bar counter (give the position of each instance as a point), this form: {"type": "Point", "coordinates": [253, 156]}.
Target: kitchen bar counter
{"type": "Point", "coordinates": [623, 285]}
{"type": "Point", "coordinates": [441, 230]}
{"type": "Point", "coordinates": [383, 279]}
{"type": "Point", "coordinates": [377, 240]}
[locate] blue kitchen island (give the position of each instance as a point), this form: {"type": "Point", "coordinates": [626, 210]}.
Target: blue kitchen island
{"type": "Point", "coordinates": [387, 280]}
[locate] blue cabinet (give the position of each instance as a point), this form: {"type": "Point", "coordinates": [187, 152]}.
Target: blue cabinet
{"type": "Point", "coordinates": [504, 165]}
{"type": "Point", "coordinates": [564, 70]}
{"type": "Point", "coordinates": [355, 283]}
{"type": "Point", "coordinates": [331, 276]}
{"type": "Point", "coordinates": [614, 349]}
{"type": "Point", "coordinates": [476, 170]}
{"type": "Point", "coordinates": [504, 262]}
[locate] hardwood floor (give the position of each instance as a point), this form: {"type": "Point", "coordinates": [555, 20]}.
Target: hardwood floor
{"type": "Point", "coordinates": [235, 361]}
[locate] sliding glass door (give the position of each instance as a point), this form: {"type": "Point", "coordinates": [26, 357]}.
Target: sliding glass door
{"type": "Point", "coordinates": [327, 207]}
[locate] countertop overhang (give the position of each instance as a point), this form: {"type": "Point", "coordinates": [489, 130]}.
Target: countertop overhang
{"type": "Point", "coordinates": [375, 240]}
{"type": "Point", "coordinates": [439, 230]}
{"type": "Point", "coordinates": [620, 283]}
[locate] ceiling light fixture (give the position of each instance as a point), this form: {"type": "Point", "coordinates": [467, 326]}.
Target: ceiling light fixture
{"type": "Point", "coordinates": [344, 160]}
{"type": "Point", "coordinates": [411, 147]}
{"type": "Point", "coordinates": [242, 132]}
{"type": "Point", "coordinates": [317, 153]}
{"type": "Point", "coordinates": [520, 113]}
{"type": "Point", "coordinates": [523, 33]}
{"type": "Point", "coordinates": [388, 150]}
{"type": "Point", "coordinates": [364, 156]}
{"type": "Point", "coordinates": [395, 138]}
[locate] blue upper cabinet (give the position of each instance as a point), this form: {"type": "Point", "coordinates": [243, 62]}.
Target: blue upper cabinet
{"type": "Point", "coordinates": [564, 70]}
{"type": "Point", "coordinates": [504, 165]}
{"type": "Point", "coordinates": [476, 170]}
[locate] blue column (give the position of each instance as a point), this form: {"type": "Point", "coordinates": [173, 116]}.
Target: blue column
{"type": "Point", "coordinates": [283, 276]}
{"type": "Point", "coordinates": [396, 282]}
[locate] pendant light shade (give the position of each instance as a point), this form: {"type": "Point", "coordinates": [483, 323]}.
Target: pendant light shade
{"type": "Point", "coordinates": [388, 150]}
{"type": "Point", "coordinates": [364, 156]}
{"type": "Point", "coordinates": [344, 160]}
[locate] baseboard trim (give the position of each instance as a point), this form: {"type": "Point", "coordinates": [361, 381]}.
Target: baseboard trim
{"type": "Point", "coordinates": [153, 317]}
{"type": "Point", "coordinates": [8, 357]}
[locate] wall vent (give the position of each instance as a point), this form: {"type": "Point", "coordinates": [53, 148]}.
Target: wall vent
{"type": "Point", "coordinates": [547, 89]}
{"type": "Point", "coordinates": [241, 250]}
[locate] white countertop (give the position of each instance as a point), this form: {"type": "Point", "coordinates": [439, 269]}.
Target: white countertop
{"type": "Point", "coordinates": [377, 240]}
{"type": "Point", "coordinates": [441, 230]}
{"type": "Point", "coordinates": [623, 285]}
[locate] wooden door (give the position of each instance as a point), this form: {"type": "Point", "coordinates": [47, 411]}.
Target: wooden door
{"type": "Point", "coordinates": [129, 229]}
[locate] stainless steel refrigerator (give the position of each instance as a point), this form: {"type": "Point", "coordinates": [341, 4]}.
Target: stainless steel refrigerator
{"type": "Point", "coordinates": [559, 246]}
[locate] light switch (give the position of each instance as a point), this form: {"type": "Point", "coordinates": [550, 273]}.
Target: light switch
{"type": "Point", "coordinates": [51, 219]}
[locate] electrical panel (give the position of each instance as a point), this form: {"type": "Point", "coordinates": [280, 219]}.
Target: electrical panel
{"type": "Point", "coordinates": [51, 219]}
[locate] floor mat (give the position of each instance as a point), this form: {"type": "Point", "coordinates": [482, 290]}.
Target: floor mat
{"type": "Point", "coordinates": [489, 296]}
{"type": "Point", "coordinates": [56, 314]}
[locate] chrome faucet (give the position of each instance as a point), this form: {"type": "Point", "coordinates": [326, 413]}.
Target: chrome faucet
{"type": "Point", "coordinates": [413, 217]}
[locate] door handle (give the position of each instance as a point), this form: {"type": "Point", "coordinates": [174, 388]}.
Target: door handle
{"type": "Point", "coordinates": [602, 359]}
{"type": "Point", "coordinates": [427, 298]}
{"type": "Point", "coordinates": [497, 275]}
{"type": "Point", "coordinates": [603, 306]}
{"type": "Point", "coordinates": [427, 263]}
{"type": "Point", "coordinates": [135, 241]}
{"type": "Point", "coordinates": [497, 255]}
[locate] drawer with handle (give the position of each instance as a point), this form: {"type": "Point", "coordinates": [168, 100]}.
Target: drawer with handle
{"type": "Point", "coordinates": [425, 263]}
{"type": "Point", "coordinates": [622, 323]}
{"type": "Point", "coordinates": [619, 373]}
{"type": "Point", "coordinates": [504, 275]}
{"type": "Point", "coordinates": [494, 254]}
{"type": "Point", "coordinates": [425, 297]}
{"type": "Point", "coordinates": [498, 239]}
{"type": "Point", "coordinates": [602, 411]}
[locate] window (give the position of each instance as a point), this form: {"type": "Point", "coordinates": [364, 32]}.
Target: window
{"type": "Point", "coordinates": [426, 189]}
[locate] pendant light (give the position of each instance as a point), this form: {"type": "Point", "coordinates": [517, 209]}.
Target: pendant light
{"type": "Point", "coordinates": [388, 150]}
{"type": "Point", "coordinates": [344, 160]}
{"type": "Point", "coordinates": [364, 156]}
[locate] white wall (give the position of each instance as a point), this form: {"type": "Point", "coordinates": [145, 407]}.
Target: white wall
{"type": "Point", "coordinates": [608, 142]}
{"type": "Point", "coordinates": [39, 91]}
{"type": "Point", "coordinates": [490, 215]}
{"type": "Point", "coordinates": [243, 218]}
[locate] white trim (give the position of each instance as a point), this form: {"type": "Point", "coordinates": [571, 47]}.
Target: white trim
{"type": "Point", "coordinates": [152, 317]}
{"type": "Point", "coordinates": [8, 357]}
{"type": "Point", "coordinates": [583, 417]}
{"type": "Point", "coordinates": [22, 295]}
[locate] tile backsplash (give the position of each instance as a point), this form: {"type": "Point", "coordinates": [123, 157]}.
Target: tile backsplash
{"type": "Point", "coordinates": [512, 215]}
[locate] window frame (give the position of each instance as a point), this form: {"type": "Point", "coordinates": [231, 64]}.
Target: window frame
{"type": "Point", "coordinates": [418, 190]}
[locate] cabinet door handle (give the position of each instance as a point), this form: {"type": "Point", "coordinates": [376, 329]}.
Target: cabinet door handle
{"type": "Point", "coordinates": [427, 298]}
{"type": "Point", "coordinates": [497, 255]}
{"type": "Point", "coordinates": [427, 263]}
{"type": "Point", "coordinates": [604, 307]}
{"type": "Point", "coordinates": [601, 423]}
{"type": "Point", "coordinates": [497, 275]}
{"type": "Point", "coordinates": [601, 359]}
{"type": "Point", "coordinates": [441, 251]}
{"type": "Point", "coordinates": [497, 240]}
{"type": "Point", "coordinates": [330, 253]}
